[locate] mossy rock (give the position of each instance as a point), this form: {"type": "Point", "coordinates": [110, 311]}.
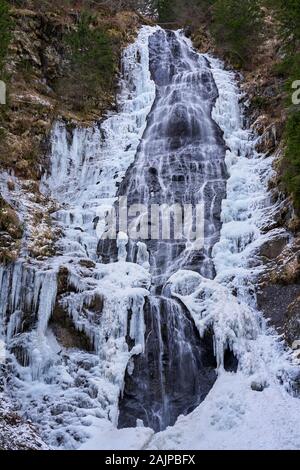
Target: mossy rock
{"type": "Point", "coordinates": [9, 221]}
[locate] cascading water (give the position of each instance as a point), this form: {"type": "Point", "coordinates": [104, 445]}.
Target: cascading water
{"type": "Point", "coordinates": [251, 409]}
{"type": "Point", "coordinates": [138, 340]}
{"type": "Point", "coordinates": [181, 160]}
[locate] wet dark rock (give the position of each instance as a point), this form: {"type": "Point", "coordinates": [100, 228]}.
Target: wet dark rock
{"type": "Point", "coordinates": [278, 304]}
{"type": "Point", "coordinates": [66, 333]}
{"type": "Point", "coordinates": [274, 247]}
{"type": "Point", "coordinates": [231, 363]}
{"type": "Point", "coordinates": [21, 355]}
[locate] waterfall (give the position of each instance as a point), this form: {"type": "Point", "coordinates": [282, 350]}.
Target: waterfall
{"type": "Point", "coordinates": [66, 319]}
{"type": "Point", "coordinates": [151, 342]}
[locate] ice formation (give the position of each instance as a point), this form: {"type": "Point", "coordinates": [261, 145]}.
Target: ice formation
{"type": "Point", "coordinates": [59, 386]}
{"type": "Point", "coordinates": [73, 325]}
{"type": "Point", "coordinates": [250, 409]}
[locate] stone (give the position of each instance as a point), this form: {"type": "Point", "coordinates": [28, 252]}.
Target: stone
{"type": "Point", "coordinates": [292, 322]}
{"type": "Point", "coordinates": [272, 248]}
{"type": "Point", "coordinates": [257, 386]}
{"type": "Point", "coordinates": [15, 433]}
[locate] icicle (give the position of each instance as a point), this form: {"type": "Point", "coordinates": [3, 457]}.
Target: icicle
{"type": "Point", "coordinates": [122, 242]}
{"type": "Point", "coordinates": [14, 324]}
{"type": "Point", "coordinates": [46, 301]}
{"type": "Point", "coordinates": [143, 255]}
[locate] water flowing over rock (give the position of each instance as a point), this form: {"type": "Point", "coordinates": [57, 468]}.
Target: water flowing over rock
{"type": "Point", "coordinates": [109, 341]}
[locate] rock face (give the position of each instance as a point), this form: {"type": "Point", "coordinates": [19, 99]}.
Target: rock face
{"type": "Point", "coordinates": [273, 248]}
{"type": "Point", "coordinates": [279, 287]}
{"type": "Point", "coordinates": [279, 304]}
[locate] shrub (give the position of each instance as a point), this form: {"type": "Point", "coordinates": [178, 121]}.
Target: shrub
{"type": "Point", "coordinates": [288, 16]}
{"type": "Point", "coordinates": [236, 28]}
{"type": "Point", "coordinates": [165, 9]}
{"type": "Point", "coordinates": [92, 63]}
{"type": "Point", "coordinates": [9, 221]}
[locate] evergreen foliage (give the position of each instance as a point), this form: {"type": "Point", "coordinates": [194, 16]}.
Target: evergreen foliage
{"type": "Point", "coordinates": [92, 51]}
{"type": "Point", "coordinates": [5, 31]}
{"type": "Point", "coordinates": [93, 62]}
{"type": "Point", "coordinates": [288, 15]}
{"type": "Point", "coordinates": [237, 27]}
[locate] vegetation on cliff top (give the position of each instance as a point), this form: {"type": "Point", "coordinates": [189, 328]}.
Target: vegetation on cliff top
{"type": "Point", "coordinates": [5, 32]}
{"type": "Point", "coordinates": [93, 62]}
{"type": "Point", "coordinates": [93, 39]}
{"type": "Point", "coordinates": [235, 26]}
{"type": "Point", "coordinates": [5, 38]}
{"type": "Point", "coordinates": [238, 31]}
{"type": "Point", "coordinates": [62, 64]}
